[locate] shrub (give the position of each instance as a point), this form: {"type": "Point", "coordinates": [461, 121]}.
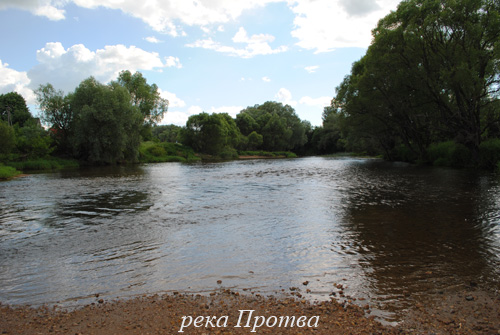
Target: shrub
{"type": "Point", "coordinates": [7, 172]}
{"type": "Point", "coordinates": [449, 154]}
{"type": "Point", "coordinates": [489, 152]}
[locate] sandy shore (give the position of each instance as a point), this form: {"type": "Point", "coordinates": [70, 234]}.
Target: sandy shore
{"type": "Point", "coordinates": [472, 313]}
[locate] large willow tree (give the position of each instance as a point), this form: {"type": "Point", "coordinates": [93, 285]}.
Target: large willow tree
{"type": "Point", "coordinates": [431, 74]}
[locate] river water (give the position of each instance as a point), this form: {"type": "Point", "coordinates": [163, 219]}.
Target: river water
{"type": "Point", "coordinates": [390, 233]}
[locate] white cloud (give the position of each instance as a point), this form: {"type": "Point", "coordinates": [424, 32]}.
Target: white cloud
{"type": "Point", "coordinates": [175, 117]}
{"type": "Point", "coordinates": [311, 69]}
{"type": "Point", "coordinates": [324, 25]}
{"type": "Point", "coordinates": [255, 45]}
{"type": "Point", "coordinates": [49, 9]}
{"type": "Point", "coordinates": [161, 14]}
{"type": "Point", "coordinates": [66, 68]}
{"type": "Point", "coordinates": [285, 97]}
{"type": "Point", "coordinates": [173, 62]}
{"type": "Point", "coordinates": [193, 110]}
{"type": "Point", "coordinates": [50, 12]}
{"type": "Point", "coordinates": [320, 25]}
{"type": "Point", "coordinates": [316, 102]}
{"type": "Point", "coordinates": [173, 100]}
{"type": "Point", "coordinates": [152, 39]}
{"type": "Point", "coordinates": [266, 79]}
{"type": "Point", "coordinates": [359, 7]}
{"type": "Point", "coordinates": [179, 117]}
{"type": "Point", "coordinates": [15, 81]}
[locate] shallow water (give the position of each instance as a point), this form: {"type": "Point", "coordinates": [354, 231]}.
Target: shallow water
{"type": "Point", "coordinates": [390, 233]}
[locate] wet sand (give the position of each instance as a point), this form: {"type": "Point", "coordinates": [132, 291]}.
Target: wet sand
{"type": "Point", "coordinates": [469, 312]}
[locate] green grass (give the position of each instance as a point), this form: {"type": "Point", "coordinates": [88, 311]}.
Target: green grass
{"type": "Point", "coordinates": [7, 172]}
{"type": "Point", "coordinates": [44, 164]}
{"type": "Point", "coordinates": [153, 152]}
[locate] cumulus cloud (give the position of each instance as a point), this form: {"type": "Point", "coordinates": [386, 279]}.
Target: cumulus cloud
{"type": "Point", "coordinates": [161, 15]}
{"type": "Point", "coordinates": [320, 25]}
{"type": "Point", "coordinates": [359, 7]}
{"type": "Point", "coordinates": [15, 81]}
{"type": "Point", "coordinates": [266, 79]}
{"type": "Point", "coordinates": [285, 97]}
{"type": "Point", "coordinates": [311, 69]}
{"type": "Point", "coordinates": [316, 102]}
{"type": "Point", "coordinates": [324, 25]}
{"type": "Point", "coordinates": [255, 45]}
{"type": "Point", "coordinates": [173, 62]}
{"type": "Point", "coordinates": [179, 117]}
{"type": "Point", "coordinates": [66, 68]}
{"type": "Point", "coordinates": [152, 39]}
{"type": "Point", "coordinates": [173, 100]}
{"type": "Point", "coordinates": [47, 8]}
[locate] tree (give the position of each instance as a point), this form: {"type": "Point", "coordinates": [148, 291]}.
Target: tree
{"type": "Point", "coordinates": [431, 74]}
{"type": "Point", "coordinates": [169, 133]}
{"type": "Point", "coordinates": [13, 109]}
{"type": "Point", "coordinates": [106, 125]}
{"type": "Point", "coordinates": [32, 141]}
{"type": "Point", "coordinates": [210, 133]}
{"type": "Point", "coordinates": [278, 124]}
{"type": "Point", "coordinates": [56, 112]}
{"type": "Point", "coordinates": [7, 138]}
{"type": "Point", "coordinates": [144, 96]}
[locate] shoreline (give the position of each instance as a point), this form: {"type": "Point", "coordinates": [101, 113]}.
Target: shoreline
{"type": "Point", "coordinates": [467, 312]}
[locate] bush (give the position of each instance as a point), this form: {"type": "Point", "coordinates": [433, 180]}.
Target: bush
{"type": "Point", "coordinates": [449, 154]}
{"type": "Point", "coordinates": [228, 153]}
{"type": "Point", "coordinates": [7, 172]}
{"type": "Point", "coordinates": [489, 152]}
{"type": "Point", "coordinates": [153, 152]}
{"type": "Point", "coordinates": [403, 153]}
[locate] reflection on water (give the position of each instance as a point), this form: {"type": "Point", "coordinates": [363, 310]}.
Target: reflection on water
{"type": "Point", "coordinates": [391, 233]}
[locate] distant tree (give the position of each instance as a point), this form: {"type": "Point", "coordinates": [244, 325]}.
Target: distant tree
{"type": "Point", "coordinates": [56, 112]}
{"type": "Point", "coordinates": [13, 109]}
{"type": "Point", "coordinates": [33, 141]}
{"type": "Point", "coordinates": [278, 124]}
{"type": "Point", "coordinates": [167, 133]}
{"type": "Point", "coordinates": [210, 133]}
{"type": "Point", "coordinates": [255, 140]}
{"type": "Point", "coordinates": [106, 124]}
{"type": "Point", "coordinates": [144, 96]}
{"type": "Point", "coordinates": [7, 138]}
{"type": "Point", "coordinates": [431, 74]}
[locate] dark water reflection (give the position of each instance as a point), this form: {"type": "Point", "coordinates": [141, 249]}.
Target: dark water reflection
{"type": "Point", "coordinates": [392, 233]}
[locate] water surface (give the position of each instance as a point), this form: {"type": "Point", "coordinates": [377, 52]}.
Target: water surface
{"type": "Point", "coordinates": [391, 233]}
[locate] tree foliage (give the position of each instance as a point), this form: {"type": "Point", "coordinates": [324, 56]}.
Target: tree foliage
{"type": "Point", "coordinates": [13, 109]}
{"type": "Point", "coordinates": [280, 127]}
{"type": "Point", "coordinates": [210, 133]}
{"type": "Point", "coordinates": [144, 96]}
{"type": "Point", "coordinates": [102, 124]}
{"type": "Point", "coordinates": [432, 74]}
{"type": "Point", "coordinates": [106, 125]}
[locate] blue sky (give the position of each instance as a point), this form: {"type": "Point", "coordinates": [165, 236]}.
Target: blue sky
{"type": "Point", "coordinates": [204, 55]}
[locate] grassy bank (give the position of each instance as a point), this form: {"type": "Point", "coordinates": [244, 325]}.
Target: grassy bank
{"type": "Point", "coordinates": [7, 172]}
{"type": "Point", "coordinates": [44, 164]}
{"type": "Point", "coordinates": [153, 152]}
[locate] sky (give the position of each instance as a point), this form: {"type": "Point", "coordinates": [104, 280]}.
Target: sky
{"type": "Point", "coordinates": [214, 56]}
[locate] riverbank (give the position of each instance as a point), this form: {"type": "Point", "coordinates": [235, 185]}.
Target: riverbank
{"type": "Point", "coordinates": [229, 312]}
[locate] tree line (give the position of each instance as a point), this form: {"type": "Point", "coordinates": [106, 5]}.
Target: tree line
{"type": "Point", "coordinates": [427, 89]}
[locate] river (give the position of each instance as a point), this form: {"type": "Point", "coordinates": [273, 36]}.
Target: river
{"type": "Point", "coordinates": [390, 233]}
